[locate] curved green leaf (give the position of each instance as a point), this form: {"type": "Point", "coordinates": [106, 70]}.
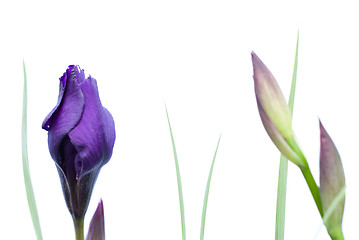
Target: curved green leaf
{"type": "Point", "coordinates": [179, 182]}
{"type": "Point", "coordinates": [25, 165]}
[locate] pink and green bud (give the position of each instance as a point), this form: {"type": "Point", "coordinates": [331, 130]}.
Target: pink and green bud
{"type": "Point", "coordinates": [332, 182]}
{"type": "Point", "coordinates": [97, 224]}
{"type": "Point", "coordinates": [274, 112]}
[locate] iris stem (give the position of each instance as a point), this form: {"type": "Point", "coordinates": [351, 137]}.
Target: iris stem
{"type": "Point", "coordinates": [79, 228]}
{"type": "Point", "coordinates": [313, 188]}
{"type": "Point", "coordinates": [337, 236]}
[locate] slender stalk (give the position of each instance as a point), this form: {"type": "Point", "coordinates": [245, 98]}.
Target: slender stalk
{"type": "Point", "coordinates": [281, 198]}
{"type": "Point", "coordinates": [205, 201]}
{"type": "Point", "coordinates": [313, 188]}
{"type": "Point", "coordinates": [337, 236]}
{"type": "Point", "coordinates": [283, 166]}
{"type": "Point", "coordinates": [79, 228]}
{"type": "Point", "coordinates": [179, 182]}
{"type": "Point", "coordinates": [25, 166]}
{"type": "Point", "coordinates": [294, 78]}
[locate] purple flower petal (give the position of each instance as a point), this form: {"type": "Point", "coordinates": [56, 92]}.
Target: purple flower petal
{"type": "Point", "coordinates": [67, 112]}
{"type": "Point", "coordinates": [108, 125]}
{"type": "Point", "coordinates": [94, 135]}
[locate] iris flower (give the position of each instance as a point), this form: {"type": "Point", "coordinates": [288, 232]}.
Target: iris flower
{"type": "Point", "coordinates": [81, 136]}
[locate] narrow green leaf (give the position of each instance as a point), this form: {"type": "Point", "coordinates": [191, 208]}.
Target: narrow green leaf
{"type": "Point", "coordinates": [281, 198]}
{"type": "Point", "coordinates": [330, 211]}
{"type": "Point", "coordinates": [294, 78]}
{"type": "Point", "coordinates": [334, 204]}
{"type": "Point", "coordinates": [283, 166]}
{"type": "Point", "coordinates": [25, 165]}
{"type": "Point", "coordinates": [204, 210]}
{"type": "Point", "coordinates": [179, 183]}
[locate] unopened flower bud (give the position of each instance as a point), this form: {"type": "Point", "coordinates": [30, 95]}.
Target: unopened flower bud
{"type": "Point", "coordinates": [275, 113]}
{"type": "Point", "coordinates": [332, 182]}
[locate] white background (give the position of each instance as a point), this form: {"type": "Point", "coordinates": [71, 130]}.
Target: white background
{"type": "Point", "coordinates": [194, 56]}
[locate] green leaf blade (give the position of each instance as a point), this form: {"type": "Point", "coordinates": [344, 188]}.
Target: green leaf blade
{"type": "Point", "coordinates": [281, 198]}
{"type": "Point", "coordinates": [205, 201]}
{"type": "Point", "coordinates": [179, 182]}
{"type": "Point", "coordinates": [283, 166]}
{"type": "Point", "coordinates": [294, 78]}
{"type": "Point", "coordinates": [334, 204]}
{"type": "Point", "coordinates": [26, 169]}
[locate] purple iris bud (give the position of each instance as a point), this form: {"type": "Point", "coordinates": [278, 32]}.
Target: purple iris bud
{"type": "Point", "coordinates": [97, 224]}
{"type": "Point", "coordinates": [81, 136]}
{"type": "Point", "coordinates": [332, 183]}
{"type": "Point", "coordinates": [274, 112]}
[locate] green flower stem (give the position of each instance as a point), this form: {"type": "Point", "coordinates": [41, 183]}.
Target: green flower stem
{"type": "Point", "coordinates": [79, 228]}
{"type": "Point", "coordinates": [313, 188]}
{"type": "Point", "coordinates": [337, 235]}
